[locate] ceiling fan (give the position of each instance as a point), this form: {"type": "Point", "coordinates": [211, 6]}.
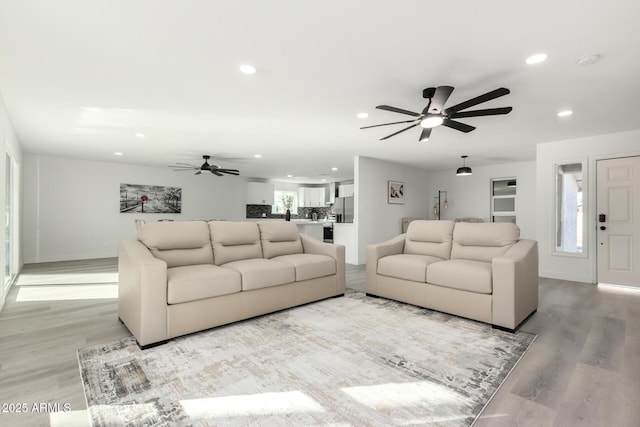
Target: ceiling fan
{"type": "Point", "coordinates": [205, 167]}
{"type": "Point", "coordinates": [434, 114]}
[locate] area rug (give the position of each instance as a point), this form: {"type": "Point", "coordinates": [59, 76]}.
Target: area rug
{"type": "Point", "coordinates": [350, 361]}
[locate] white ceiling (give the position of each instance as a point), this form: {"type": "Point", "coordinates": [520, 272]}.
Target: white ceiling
{"type": "Point", "coordinates": [80, 78]}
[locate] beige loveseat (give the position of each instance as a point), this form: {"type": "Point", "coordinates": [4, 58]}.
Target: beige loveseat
{"type": "Point", "coordinates": [183, 277]}
{"type": "Point", "coordinates": [481, 271]}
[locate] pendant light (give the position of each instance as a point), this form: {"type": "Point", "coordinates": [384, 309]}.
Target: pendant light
{"type": "Point", "coordinates": [464, 170]}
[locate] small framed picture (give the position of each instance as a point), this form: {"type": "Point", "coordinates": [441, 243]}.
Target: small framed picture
{"type": "Point", "coordinates": [395, 192]}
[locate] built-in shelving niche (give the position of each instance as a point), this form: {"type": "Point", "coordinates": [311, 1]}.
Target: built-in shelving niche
{"type": "Point", "coordinates": [503, 200]}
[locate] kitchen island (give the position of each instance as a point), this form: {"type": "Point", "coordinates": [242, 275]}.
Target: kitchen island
{"type": "Point", "coordinates": [311, 228]}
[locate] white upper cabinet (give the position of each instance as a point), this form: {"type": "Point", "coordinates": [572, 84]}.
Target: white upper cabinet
{"type": "Point", "coordinates": [346, 190]}
{"type": "Point", "coordinates": [260, 193]}
{"type": "Point", "coordinates": [311, 197]}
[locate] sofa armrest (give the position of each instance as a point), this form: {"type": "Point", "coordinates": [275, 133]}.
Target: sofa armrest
{"type": "Point", "coordinates": [515, 284]}
{"type": "Point", "coordinates": [376, 251]}
{"type": "Point", "coordinates": [337, 252]}
{"type": "Point", "coordinates": [142, 292]}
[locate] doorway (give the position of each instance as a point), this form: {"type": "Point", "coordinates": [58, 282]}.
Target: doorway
{"type": "Point", "coordinates": [618, 221]}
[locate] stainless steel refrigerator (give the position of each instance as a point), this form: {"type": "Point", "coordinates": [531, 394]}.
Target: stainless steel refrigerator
{"type": "Point", "coordinates": [343, 208]}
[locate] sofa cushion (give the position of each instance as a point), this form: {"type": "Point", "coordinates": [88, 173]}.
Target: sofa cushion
{"type": "Point", "coordinates": [195, 282]}
{"type": "Point", "coordinates": [261, 273]}
{"type": "Point", "coordinates": [279, 238]}
{"type": "Point", "coordinates": [233, 241]}
{"type": "Point", "coordinates": [406, 266]}
{"type": "Point", "coordinates": [473, 276]}
{"type": "Point", "coordinates": [483, 241]}
{"type": "Point", "coordinates": [309, 266]}
{"type": "Point", "coordinates": [425, 237]}
{"type": "Point", "coordinates": [178, 243]}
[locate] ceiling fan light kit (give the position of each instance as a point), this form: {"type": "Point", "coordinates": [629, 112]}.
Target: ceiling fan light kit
{"type": "Point", "coordinates": [431, 121]}
{"type": "Point", "coordinates": [434, 114]}
{"type": "Point", "coordinates": [464, 170]}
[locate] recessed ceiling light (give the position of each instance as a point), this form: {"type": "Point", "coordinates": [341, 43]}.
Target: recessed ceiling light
{"type": "Point", "coordinates": [334, 169]}
{"type": "Point", "coordinates": [565, 113]}
{"type": "Point", "coordinates": [537, 58]}
{"type": "Point", "coordinates": [140, 135]}
{"type": "Point", "coordinates": [363, 115]}
{"type": "Point", "coordinates": [117, 153]}
{"type": "Point", "coordinates": [289, 176]}
{"type": "Point", "coordinates": [323, 180]}
{"type": "Point", "coordinates": [247, 69]}
{"type": "Point", "coordinates": [257, 156]}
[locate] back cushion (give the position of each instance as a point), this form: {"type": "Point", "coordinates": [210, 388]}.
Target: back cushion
{"type": "Point", "coordinates": [279, 238]}
{"type": "Point", "coordinates": [483, 241]}
{"type": "Point", "coordinates": [234, 241]}
{"type": "Point", "coordinates": [178, 243]}
{"type": "Point", "coordinates": [426, 237]}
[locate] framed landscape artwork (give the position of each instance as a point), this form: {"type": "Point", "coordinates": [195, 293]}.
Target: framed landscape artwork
{"type": "Point", "coordinates": [135, 198]}
{"type": "Point", "coordinates": [395, 192]}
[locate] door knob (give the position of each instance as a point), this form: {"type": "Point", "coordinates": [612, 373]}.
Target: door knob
{"type": "Point", "coordinates": [602, 227]}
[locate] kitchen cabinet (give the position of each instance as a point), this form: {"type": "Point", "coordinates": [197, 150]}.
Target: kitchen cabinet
{"type": "Point", "coordinates": [346, 190]}
{"type": "Point", "coordinates": [311, 197]}
{"type": "Point", "coordinates": [260, 193]}
{"type": "Point", "coordinates": [503, 200]}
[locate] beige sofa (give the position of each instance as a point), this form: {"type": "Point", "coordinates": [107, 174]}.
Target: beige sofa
{"type": "Point", "coordinates": [481, 271]}
{"type": "Point", "coordinates": [182, 277]}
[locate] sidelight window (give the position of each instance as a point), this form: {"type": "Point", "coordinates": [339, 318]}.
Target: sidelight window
{"type": "Point", "coordinates": [569, 208]}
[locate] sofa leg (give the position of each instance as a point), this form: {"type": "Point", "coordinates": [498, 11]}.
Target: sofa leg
{"type": "Point", "coordinates": [502, 328]}
{"type": "Point", "coordinates": [155, 344]}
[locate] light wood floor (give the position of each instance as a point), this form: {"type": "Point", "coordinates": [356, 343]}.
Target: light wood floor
{"type": "Point", "coordinates": [583, 369]}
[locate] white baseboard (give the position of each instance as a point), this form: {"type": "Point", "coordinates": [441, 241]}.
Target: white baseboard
{"type": "Point", "coordinates": [561, 275]}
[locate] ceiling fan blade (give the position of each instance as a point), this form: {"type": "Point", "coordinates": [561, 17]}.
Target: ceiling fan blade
{"type": "Point", "coordinates": [215, 172]}
{"type": "Point", "coordinates": [398, 110]}
{"type": "Point", "coordinates": [478, 113]}
{"type": "Point", "coordinates": [229, 171]}
{"type": "Point", "coordinates": [478, 100]}
{"type": "Point", "coordinates": [402, 130]}
{"type": "Point", "coordinates": [186, 164]}
{"type": "Point", "coordinates": [198, 173]}
{"type": "Point", "coordinates": [386, 124]}
{"type": "Point", "coordinates": [457, 125]}
{"type": "Point", "coordinates": [440, 97]}
{"type": "Point", "coordinates": [424, 136]}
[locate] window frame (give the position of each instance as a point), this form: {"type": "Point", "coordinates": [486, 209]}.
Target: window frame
{"type": "Point", "coordinates": [278, 207]}
{"type": "Point", "coordinates": [555, 250]}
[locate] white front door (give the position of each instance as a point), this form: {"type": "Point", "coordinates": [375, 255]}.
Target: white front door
{"type": "Point", "coordinates": [618, 221]}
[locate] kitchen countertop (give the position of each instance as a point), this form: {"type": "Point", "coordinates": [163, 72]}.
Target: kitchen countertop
{"type": "Point", "coordinates": [301, 221]}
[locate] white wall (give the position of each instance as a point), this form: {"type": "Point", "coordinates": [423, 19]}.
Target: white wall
{"type": "Point", "coordinates": [375, 219]}
{"type": "Point", "coordinates": [590, 150]}
{"type": "Point", "coordinates": [9, 144]}
{"type": "Point", "coordinates": [470, 196]}
{"type": "Point", "coordinates": [71, 207]}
